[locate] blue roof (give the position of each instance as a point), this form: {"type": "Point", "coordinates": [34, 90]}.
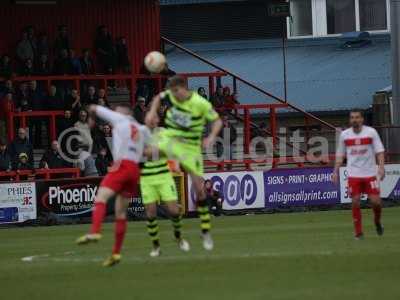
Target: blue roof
{"type": "Point", "coordinates": [321, 76]}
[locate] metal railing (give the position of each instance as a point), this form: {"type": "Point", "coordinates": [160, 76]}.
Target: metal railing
{"type": "Point", "coordinates": [38, 174]}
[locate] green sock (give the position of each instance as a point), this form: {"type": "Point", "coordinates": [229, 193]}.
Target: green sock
{"type": "Point", "coordinates": [204, 216]}
{"type": "Point", "coordinates": [152, 229]}
{"type": "Point", "coordinates": [177, 224]}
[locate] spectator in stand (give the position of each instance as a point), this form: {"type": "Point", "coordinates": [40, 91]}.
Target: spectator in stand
{"type": "Point", "coordinates": [139, 112]}
{"type": "Point", "coordinates": [52, 159]}
{"type": "Point", "coordinates": [218, 98]}
{"type": "Point", "coordinates": [90, 97]}
{"type": "Point", "coordinates": [213, 198]}
{"type": "Point", "coordinates": [24, 163]}
{"type": "Point", "coordinates": [123, 62]}
{"type": "Point", "coordinates": [32, 39]}
{"type": "Point", "coordinates": [229, 99]}
{"type": "Point", "coordinates": [20, 145]}
{"type": "Point", "coordinates": [43, 65]}
{"type": "Point", "coordinates": [23, 101]}
{"type": "Point", "coordinates": [6, 103]}
{"type": "Point", "coordinates": [84, 128]}
{"type": "Point", "coordinates": [87, 63]}
{"type": "Point", "coordinates": [5, 67]}
{"type": "Point", "coordinates": [75, 62]}
{"type": "Point", "coordinates": [105, 50]}
{"type": "Point", "coordinates": [5, 157]}
{"type": "Point", "coordinates": [103, 161]}
{"type": "Point", "coordinates": [54, 99]}
{"type": "Point", "coordinates": [225, 150]}
{"type": "Point", "coordinates": [73, 104]}
{"type": "Point", "coordinates": [202, 92]}
{"type": "Point", "coordinates": [103, 102]}
{"type": "Point", "coordinates": [102, 137]}
{"type": "Point", "coordinates": [86, 162]}
{"type": "Point", "coordinates": [36, 97]}
{"type": "Point", "coordinates": [62, 41]}
{"type": "Point", "coordinates": [7, 88]}
{"type": "Point", "coordinates": [27, 69]}
{"type": "Point", "coordinates": [25, 50]}
{"type": "Point", "coordinates": [37, 101]}
{"type": "Point", "coordinates": [65, 123]}
{"type": "Point", "coordinates": [102, 95]}
{"type": "Point", "coordinates": [63, 64]}
{"type": "Point", "coordinates": [43, 45]}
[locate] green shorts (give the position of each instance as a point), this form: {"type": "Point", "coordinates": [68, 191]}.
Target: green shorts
{"type": "Point", "coordinates": [189, 156]}
{"type": "Point", "coordinates": [158, 188]}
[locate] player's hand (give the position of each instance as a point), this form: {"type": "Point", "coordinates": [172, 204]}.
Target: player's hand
{"type": "Point", "coordinates": [381, 173]}
{"type": "Point", "coordinates": [208, 141]}
{"type": "Point", "coordinates": [151, 119]}
{"type": "Point", "coordinates": [335, 177]}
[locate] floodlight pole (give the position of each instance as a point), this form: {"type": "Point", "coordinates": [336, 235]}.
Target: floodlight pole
{"type": "Point", "coordinates": [395, 41]}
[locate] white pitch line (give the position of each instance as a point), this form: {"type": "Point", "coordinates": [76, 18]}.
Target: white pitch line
{"type": "Point", "coordinates": [172, 258]}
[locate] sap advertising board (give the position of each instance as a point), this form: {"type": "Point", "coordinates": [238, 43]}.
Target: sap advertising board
{"type": "Point", "coordinates": [284, 188]}
{"type": "Point", "coordinates": [17, 202]}
{"type": "Point", "coordinates": [240, 190]}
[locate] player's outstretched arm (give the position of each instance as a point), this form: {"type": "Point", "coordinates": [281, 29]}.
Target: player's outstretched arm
{"type": "Point", "coordinates": [216, 127]}
{"type": "Point", "coordinates": [106, 114]}
{"type": "Point", "coordinates": [152, 116]}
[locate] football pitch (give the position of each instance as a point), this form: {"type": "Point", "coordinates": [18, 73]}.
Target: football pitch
{"type": "Point", "coordinates": [273, 256]}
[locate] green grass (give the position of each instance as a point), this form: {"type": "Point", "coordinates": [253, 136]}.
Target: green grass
{"type": "Point", "coordinates": [282, 256]}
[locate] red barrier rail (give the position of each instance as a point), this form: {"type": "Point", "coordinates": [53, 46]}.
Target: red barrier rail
{"type": "Point", "coordinates": [23, 116]}
{"type": "Point", "coordinates": [131, 79]}
{"type": "Point", "coordinates": [46, 173]}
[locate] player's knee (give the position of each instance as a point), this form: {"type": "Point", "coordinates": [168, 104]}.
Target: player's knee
{"type": "Point", "coordinates": [120, 215]}
{"type": "Point", "coordinates": [151, 211]}
{"type": "Point", "coordinates": [356, 202]}
{"type": "Point", "coordinates": [174, 211]}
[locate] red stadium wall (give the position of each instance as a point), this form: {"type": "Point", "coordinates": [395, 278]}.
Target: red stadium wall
{"type": "Point", "coordinates": [137, 20]}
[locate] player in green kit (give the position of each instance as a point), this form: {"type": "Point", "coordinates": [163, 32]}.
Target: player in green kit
{"type": "Point", "coordinates": [185, 120]}
{"type": "Point", "coordinates": [157, 186]}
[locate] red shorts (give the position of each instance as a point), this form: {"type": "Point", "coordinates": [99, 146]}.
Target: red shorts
{"type": "Point", "coordinates": [123, 178]}
{"type": "Point", "coordinates": [367, 185]}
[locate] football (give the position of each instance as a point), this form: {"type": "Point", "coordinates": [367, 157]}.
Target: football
{"type": "Point", "coordinates": [155, 62]}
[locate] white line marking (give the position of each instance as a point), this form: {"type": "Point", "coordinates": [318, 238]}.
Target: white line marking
{"type": "Point", "coordinates": [175, 258]}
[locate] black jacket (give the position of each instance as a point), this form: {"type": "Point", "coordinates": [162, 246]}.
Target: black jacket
{"type": "Point", "coordinates": [19, 146]}
{"type": "Point", "coordinates": [53, 160]}
{"type": "Point", "coordinates": [5, 161]}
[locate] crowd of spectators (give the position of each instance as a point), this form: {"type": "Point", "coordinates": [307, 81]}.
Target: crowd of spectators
{"type": "Point", "coordinates": [36, 55]}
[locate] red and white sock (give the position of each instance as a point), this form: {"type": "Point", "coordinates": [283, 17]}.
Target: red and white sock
{"type": "Point", "coordinates": [120, 229]}
{"type": "Point", "coordinates": [357, 220]}
{"type": "Point", "coordinates": [98, 214]}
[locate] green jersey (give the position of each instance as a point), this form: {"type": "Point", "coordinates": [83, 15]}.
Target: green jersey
{"type": "Point", "coordinates": [186, 119]}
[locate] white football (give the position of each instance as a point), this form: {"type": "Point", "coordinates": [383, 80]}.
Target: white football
{"type": "Point", "coordinates": [155, 62]}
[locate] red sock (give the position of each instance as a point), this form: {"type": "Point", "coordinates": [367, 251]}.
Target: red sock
{"type": "Point", "coordinates": [357, 220]}
{"type": "Point", "coordinates": [377, 213]}
{"type": "Point", "coordinates": [98, 214]}
{"type": "Point", "coordinates": [120, 229]}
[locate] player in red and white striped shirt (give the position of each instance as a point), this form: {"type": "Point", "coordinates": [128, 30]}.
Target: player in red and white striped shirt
{"type": "Point", "coordinates": [362, 147]}
{"type": "Point", "coordinates": [128, 143]}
